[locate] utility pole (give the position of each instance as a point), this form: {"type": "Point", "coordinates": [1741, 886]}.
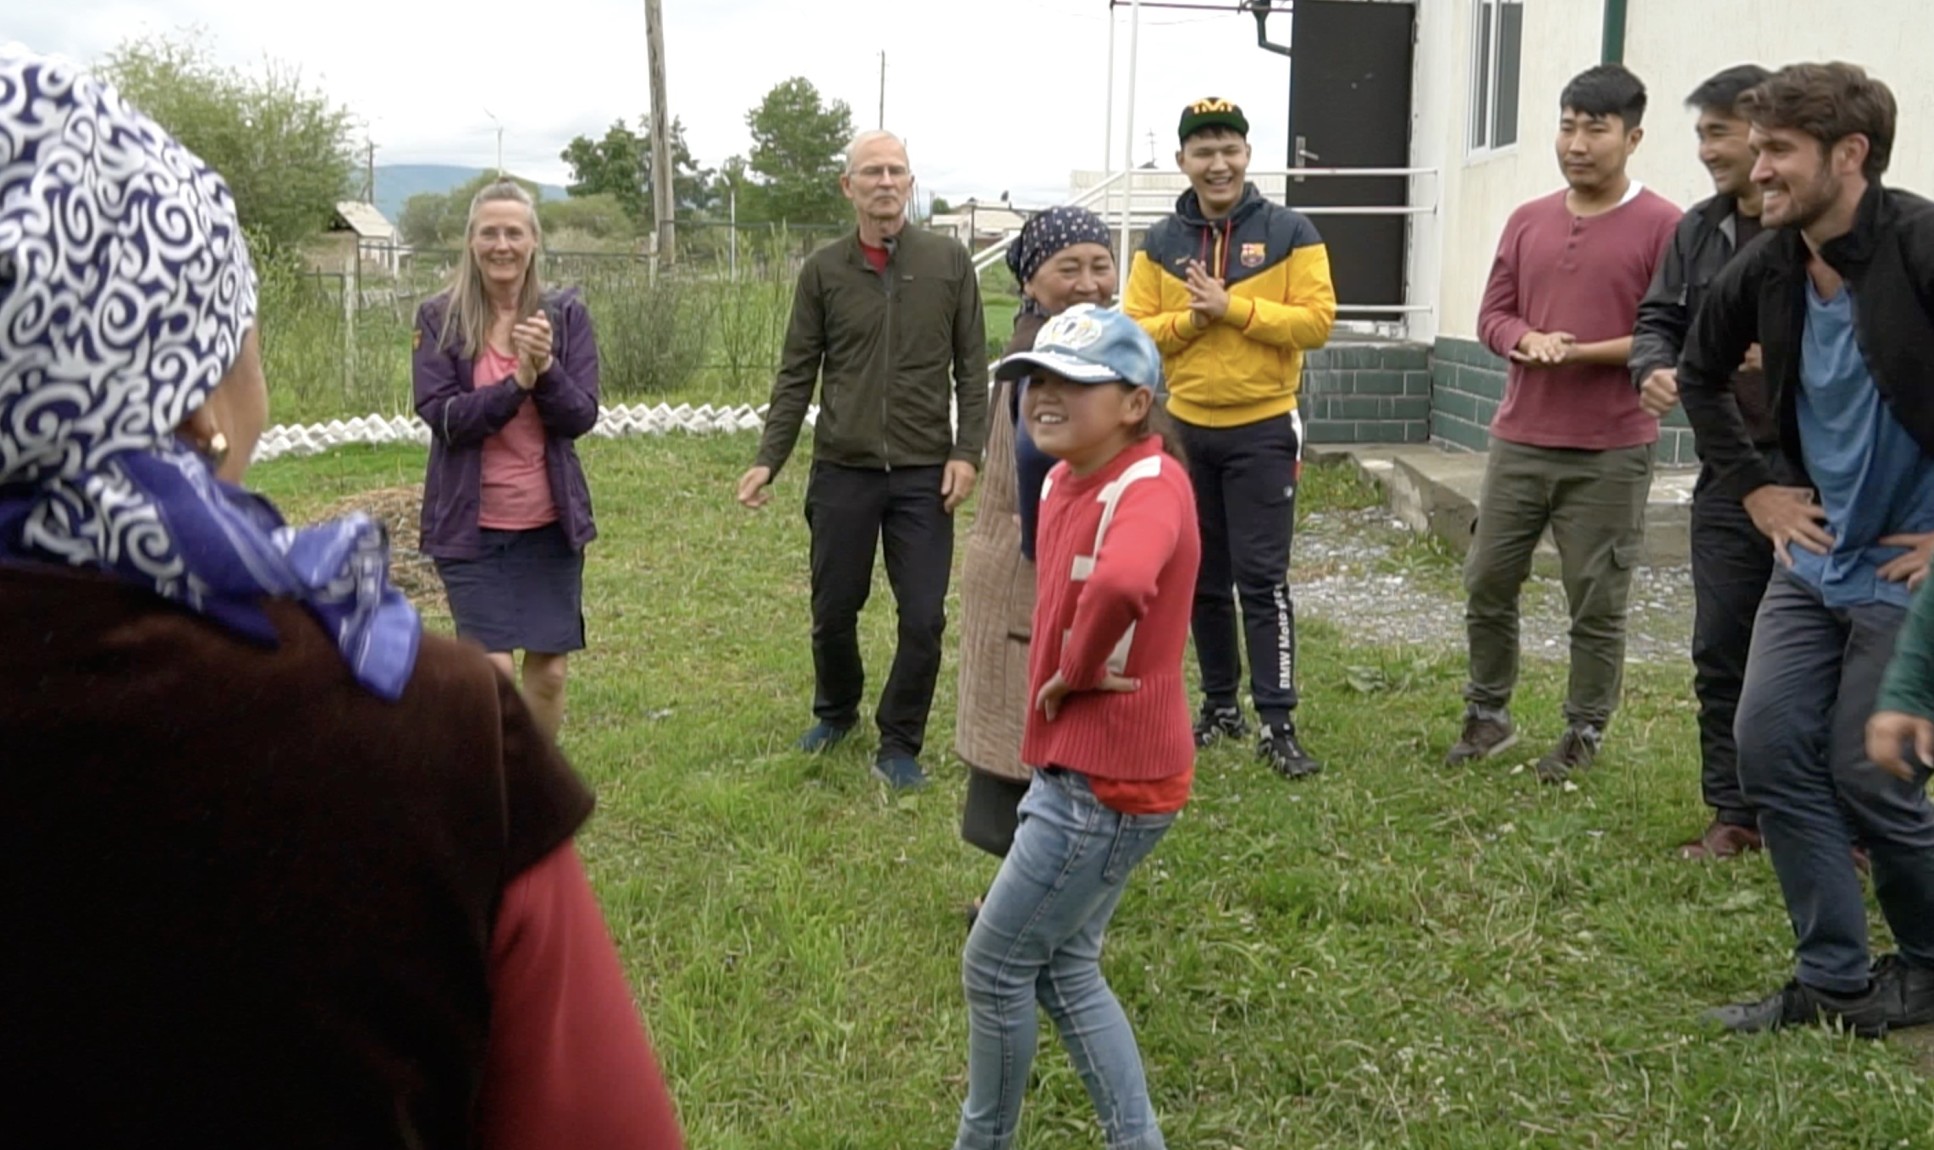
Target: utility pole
{"type": "Point", "coordinates": [369, 175]}
{"type": "Point", "coordinates": [663, 210]}
{"type": "Point", "coordinates": [882, 124]}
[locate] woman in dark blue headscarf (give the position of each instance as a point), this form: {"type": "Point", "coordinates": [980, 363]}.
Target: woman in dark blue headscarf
{"type": "Point", "coordinates": [1061, 258]}
{"type": "Point", "coordinates": [281, 868]}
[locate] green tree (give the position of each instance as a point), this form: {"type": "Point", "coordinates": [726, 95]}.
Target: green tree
{"type": "Point", "coordinates": [600, 217]}
{"type": "Point", "coordinates": [620, 165]}
{"type": "Point", "coordinates": [425, 222]}
{"type": "Point", "coordinates": [285, 149]}
{"type": "Point", "coordinates": [735, 183]}
{"type": "Point", "coordinates": [940, 207]}
{"type": "Point", "coordinates": [797, 142]}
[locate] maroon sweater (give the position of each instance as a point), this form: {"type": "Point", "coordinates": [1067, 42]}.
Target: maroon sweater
{"type": "Point", "coordinates": [248, 903]}
{"type": "Point", "coordinates": [1559, 272]}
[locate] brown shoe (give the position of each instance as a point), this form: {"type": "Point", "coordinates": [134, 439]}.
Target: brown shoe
{"type": "Point", "coordinates": [1721, 841]}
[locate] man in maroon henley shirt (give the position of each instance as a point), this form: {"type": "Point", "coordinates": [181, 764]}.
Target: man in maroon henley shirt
{"type": "Point", "coordinates": [1571, 449]}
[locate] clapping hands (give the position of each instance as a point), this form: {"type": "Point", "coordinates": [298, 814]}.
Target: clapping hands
{"type": "Point", "coordinates": [531, 340]}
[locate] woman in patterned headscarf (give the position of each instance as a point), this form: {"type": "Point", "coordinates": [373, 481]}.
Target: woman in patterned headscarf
{"type": "Point", "coordinates": [1061, 258]}
{"type": "Point", "coordinates": [276, 868]}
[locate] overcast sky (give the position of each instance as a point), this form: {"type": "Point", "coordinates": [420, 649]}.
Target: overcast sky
{"type": "Point", "coordinates": [995, 95]}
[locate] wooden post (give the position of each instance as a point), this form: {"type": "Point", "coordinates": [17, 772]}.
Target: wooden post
{"type": "Point", "coordinates": [663, 207]}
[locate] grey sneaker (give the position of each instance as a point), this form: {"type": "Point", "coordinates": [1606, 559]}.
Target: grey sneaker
{"type": "Point", "coordinates": [1576, 751]}
{"type": "Point", "coordinates": [1487, 732]}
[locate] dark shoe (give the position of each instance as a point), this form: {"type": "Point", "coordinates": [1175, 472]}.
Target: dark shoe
{"type": "Point", "coordinates": [1280, 749]}
{"type": "Point", "coordinates": [1908, 989]}
{"type": "Point", "coordinates": [823, 737]}
{"type": "Point", "coordinates": [900, 772]}
{"type": "Point", "coordinates": [1486, 733]}
{"type": "Point", "coordinates": [1219, 723]}
{"type": "Point", "coordinates": [1577, 749]}
{"type": "Point", "coordinates": [1721, 841]}
{"type": "Point", "coordinates": [1797, 1004]}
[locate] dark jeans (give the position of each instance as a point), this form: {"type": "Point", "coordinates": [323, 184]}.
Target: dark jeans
{"type": "Point", "coordinates": [1731, 563]}
{"type": "Point", "coordinates": [1811, 682]}
{"type": "Point", "coordinates": [849, 512]}
{"type": "Point", "coordinates": [1245, 500]}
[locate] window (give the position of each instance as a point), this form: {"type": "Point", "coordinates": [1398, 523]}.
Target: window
{"type": "Point", "coordinates": [1497, 39]}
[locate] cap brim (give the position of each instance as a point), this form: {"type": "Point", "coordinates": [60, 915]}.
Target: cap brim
{"type": "Point", "coordinates": [1066, 366]}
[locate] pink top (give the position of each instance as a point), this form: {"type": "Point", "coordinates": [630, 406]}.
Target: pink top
{"type": "Point", "coordinates": [516, 486]}
{"type": "Point", "coordinates": [1559, 272]}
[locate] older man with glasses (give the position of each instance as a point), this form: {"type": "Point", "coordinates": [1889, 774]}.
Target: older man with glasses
{"type": "Point", "coordinates": [887, 322]}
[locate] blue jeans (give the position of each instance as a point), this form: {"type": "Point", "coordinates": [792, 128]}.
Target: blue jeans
{"type": "Point", "coordinates": [1811, 682]}
{"type": "Point", "coordinates": [1038, 939]}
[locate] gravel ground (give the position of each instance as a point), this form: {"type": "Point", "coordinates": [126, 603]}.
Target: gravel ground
{"type": "Point", "coordinates": [1365, 572]}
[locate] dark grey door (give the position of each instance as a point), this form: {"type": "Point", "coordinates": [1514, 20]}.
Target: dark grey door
{"type": "Point", "coordinates": [1349, 107]}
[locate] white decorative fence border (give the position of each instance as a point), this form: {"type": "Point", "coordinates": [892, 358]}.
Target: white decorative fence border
{"type": "Point", "coordinates": [613, 423]}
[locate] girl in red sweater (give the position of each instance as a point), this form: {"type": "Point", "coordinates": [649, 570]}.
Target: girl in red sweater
{"type": "Point", "coordinates": [1108, 733]}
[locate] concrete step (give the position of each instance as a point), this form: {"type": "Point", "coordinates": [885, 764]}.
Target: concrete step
{"type": "Point", "coordinates": [1437, 491]}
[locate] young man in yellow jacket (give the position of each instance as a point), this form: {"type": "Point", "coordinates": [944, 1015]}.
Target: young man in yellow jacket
{"type": "Point", "coordinates": [1234, 289]}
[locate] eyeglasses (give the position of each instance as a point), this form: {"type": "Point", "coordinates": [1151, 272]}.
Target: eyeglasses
{"type": "Point", "coordinates": [878, 172]}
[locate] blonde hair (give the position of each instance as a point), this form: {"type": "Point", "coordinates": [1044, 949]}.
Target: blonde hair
{"type": "Point", "coordinates": [469, 315]}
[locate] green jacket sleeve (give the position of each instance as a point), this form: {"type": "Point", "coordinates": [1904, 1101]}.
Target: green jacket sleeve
{"type": "Point", "coordinates": [970, 369]}
{"type": "Point", "coordinates": [1909, 685]}
{"type": "Point", "coordinates": [799, 363]}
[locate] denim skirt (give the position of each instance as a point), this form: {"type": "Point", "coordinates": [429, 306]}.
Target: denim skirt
{"type": "Point", "coordinates": [524, 593]}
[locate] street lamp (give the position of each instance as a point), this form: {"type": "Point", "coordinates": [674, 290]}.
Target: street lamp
{"type": "Point", "coordinates": [500, 142]}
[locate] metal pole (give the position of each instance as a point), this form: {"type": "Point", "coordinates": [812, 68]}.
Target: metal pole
{"type": "Point", "coordinates": [1108, 129]}
{"type": "Point", "coordinates": [733, 234]}
{"type": "Point", "coordinates": [1128, 137]}
{"type": "Point", "coordinates": [882, 90]}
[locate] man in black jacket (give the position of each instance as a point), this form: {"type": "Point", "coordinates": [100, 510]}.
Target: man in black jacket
{"type": "Point", "coordinates": [1838, 299]}
{"type": "Point", "coordinates": [1730, 559]}
{"type": "Point", "coordinates": [887, 323]}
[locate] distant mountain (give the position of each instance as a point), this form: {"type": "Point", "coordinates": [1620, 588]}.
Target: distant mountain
{"type": "Point", "coordinates": [396, 183]}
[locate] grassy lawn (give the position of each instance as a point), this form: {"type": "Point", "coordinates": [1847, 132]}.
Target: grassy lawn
{"type": "Point", "coordinates": [1390, 955]}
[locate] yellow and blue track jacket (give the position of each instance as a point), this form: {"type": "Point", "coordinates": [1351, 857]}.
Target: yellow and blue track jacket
{"type": "Point", "coordinates": [1247, 366]}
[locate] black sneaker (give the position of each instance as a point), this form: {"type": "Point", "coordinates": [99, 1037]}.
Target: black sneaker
{"type": "Point", "coordinates": [1576, 751]}
{"type": "Point", "coordinates": [1908, 989]}
{"type": "Point", "coordinates": [822, 737]}
{"type": "Point", "coordinates": [1486, 733]}
{"type": "Point", "coordinates": [1219, 723]}
{"type": "Point", "coordinates": [901, 772]}
{"type": "Point", "coordinates": [1797, 1004]}
{"type": "Point", "coordinates": [1279, 748]}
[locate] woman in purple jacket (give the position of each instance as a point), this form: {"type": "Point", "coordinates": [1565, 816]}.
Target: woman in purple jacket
{"type": "Point", "coordinates": [506, 375]}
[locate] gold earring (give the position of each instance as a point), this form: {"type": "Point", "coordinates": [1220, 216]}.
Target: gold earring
{"type": "Point", "coordinates": [217, 449]}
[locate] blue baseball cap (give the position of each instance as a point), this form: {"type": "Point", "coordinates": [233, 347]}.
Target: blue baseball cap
{"type": "Point", "coordinates": [1089, 344]}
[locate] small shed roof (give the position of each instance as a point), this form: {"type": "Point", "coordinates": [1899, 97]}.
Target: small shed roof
{"type": "Point", "coordinates": [364, 220]}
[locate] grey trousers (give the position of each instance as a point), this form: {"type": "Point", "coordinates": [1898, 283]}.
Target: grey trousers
{"type": "Point", "coordinates": [1811, 683]}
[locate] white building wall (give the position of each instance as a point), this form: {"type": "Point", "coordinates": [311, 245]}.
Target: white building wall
{"type": "Point", "coordinates": [1672, 45]}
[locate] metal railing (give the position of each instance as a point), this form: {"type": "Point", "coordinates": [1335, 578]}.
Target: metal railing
{"type": "Point", "coordinates": [1155, 200]}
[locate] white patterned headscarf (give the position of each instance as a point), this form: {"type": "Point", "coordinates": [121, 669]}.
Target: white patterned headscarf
{"type": "Point", "coordinates": [126, 291]}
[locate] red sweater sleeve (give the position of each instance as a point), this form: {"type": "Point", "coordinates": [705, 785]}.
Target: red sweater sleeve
{"type": "Point", "coordinates": [567, 1063]}
{"type": "Point", "coordinates": [1499, 324]}
{"type": "Point", "coordinates": [1138, 545]}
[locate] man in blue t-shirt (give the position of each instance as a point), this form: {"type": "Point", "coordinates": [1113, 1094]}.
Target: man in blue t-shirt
{"type": "Point", "coordinates": [1837, 294]}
